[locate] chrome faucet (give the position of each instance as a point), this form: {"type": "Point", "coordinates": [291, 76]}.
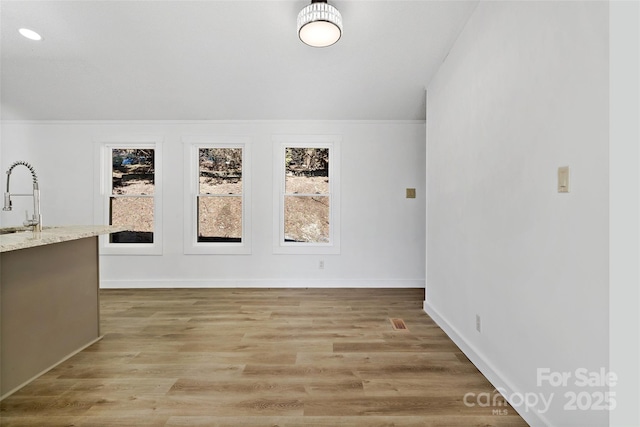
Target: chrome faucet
{"type": "Point", "coordinates": [36, 219]}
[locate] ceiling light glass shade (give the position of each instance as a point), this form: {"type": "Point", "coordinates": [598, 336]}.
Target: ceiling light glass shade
{"type": "Point", "coordinates": [319, 24]}
{"type": "Point", "coordinates": [30, 34]}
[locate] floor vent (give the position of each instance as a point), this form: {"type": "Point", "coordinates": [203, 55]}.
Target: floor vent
{"type": "Point", "coordinates": [398, 325]}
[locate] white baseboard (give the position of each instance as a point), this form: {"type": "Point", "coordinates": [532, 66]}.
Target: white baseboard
{"type": "Point", "coordinates": [492, 374]}
{"type": "Point", "coordinates": [260, 283]}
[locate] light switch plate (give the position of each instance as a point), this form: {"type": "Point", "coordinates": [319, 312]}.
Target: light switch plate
{"type": "Point", "coordinates": [411, 193]}
{"type": "Point", "coordinates": [563, 179]}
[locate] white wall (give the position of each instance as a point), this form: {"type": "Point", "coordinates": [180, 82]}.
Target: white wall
{"type": "Point", "coordinates": [382, 232]}
{"type": "Point", "coordinates": [624, 202]}
{"type": "Point", "coordinates": [523, 91]}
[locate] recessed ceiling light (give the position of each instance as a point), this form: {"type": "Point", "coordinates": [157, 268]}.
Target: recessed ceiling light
{"type": "Point", "coordinates": [30, 34]}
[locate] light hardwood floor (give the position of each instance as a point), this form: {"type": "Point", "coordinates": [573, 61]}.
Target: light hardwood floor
{"type": "Point", "coordinates": [260, 357]}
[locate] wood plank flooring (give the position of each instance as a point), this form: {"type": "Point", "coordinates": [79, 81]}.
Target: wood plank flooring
{"type": "Point", "coordinates": [260, 357]}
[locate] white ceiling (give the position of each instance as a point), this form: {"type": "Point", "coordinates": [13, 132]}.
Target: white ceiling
{"type": "Point", "coordinates": [220, 60]}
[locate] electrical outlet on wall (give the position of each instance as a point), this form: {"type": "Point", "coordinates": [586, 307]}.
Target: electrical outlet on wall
{"type": "Point", "coordinates": [478, 324]}
{"type": "Point", "coordinates": [321, 265]}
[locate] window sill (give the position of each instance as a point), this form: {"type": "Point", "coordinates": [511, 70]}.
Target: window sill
{"type": "Point", "coordinates": [217, 249]}
{"type": "Point", "coordinates": [306, 249]}
{"type": "Point", "coordinates": [107, 248]}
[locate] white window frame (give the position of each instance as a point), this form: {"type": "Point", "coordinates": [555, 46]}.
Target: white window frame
{"type": "Point", "coordinates": [104, 189]}
{"type": "Point", "coordinates": [192, 145]}
{"type": "Point", "coordinates": [280, 143]}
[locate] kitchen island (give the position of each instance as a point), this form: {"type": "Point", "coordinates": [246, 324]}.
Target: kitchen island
{"type": "Point", "coordinates": [49, 301]}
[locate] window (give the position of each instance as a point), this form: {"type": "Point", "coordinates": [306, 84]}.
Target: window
{"type": "Point", "coordinates": [217, 202]}
{"type": "Point", "coordinates": [306, 195]}
{"type": "Point", "coordinates": [130, 197]}
{"type": "Point", "coordinates": [306, 178]}
{"type": "Point", "coordinates": [219, 196]}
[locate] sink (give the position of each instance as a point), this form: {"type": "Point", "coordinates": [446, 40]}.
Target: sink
{"type": "Point", "coordinates": [11, 230]}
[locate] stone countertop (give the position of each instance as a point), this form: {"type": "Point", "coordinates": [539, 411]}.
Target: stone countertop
{"type": "Point", "coordinates": [22, 239]}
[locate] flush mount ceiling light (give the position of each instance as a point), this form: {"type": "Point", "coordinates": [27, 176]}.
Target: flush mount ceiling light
{"type": "Point", "coordinates": [30, 34]}
{"type": "Point", "coordinates": [319, 24]}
